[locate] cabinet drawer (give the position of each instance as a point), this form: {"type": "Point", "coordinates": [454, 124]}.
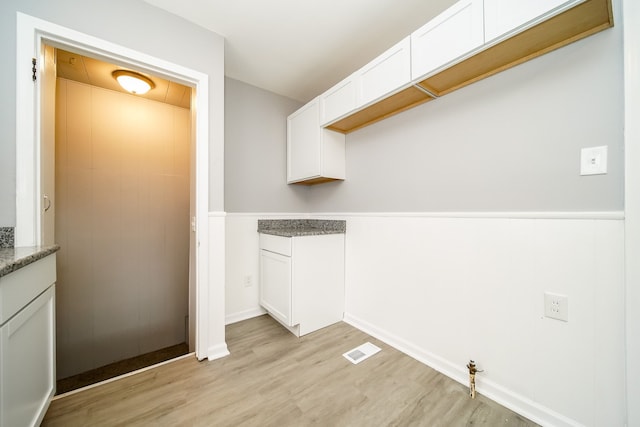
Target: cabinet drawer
{"type": "Point", "coordinates": [276, 244]}
{"type": "Point", "coordinates": [20, 287]}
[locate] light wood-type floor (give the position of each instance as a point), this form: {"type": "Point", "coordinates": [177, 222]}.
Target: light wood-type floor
{"type": "Point", "coordinates": [273, 378]}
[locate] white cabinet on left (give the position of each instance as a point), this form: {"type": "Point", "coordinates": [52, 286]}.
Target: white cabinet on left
{"type": "Point", "coordinates": [27, 343]}
{"type": "Point", "coordinates": [314, 154]}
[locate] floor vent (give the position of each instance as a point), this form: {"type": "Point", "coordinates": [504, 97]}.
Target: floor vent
{"type": "Point", "coordinates": [361, 353]}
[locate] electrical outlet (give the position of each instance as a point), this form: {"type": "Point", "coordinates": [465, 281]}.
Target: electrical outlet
{"type": "Point", "coordinates": [248, 281]}
{"type": "Point", "coordinates": [593, 160]}
{"type": "Point", "coordinates": [556, 306]}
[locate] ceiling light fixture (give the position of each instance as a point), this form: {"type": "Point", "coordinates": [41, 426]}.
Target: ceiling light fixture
{"type": "Point", "coordinates": [133, 82]}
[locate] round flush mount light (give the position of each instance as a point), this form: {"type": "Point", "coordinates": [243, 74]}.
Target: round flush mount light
{"type": "Point", "coordinates": [133, 82]}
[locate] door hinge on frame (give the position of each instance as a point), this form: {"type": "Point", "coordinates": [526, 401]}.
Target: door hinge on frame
{"type": "Point", "coordinates": [33, 69]}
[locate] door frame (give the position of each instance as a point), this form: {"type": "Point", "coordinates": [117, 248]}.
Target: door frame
{"type": "Point", "coordinates": [631, 48]}
{"type": "Point", "coordinates": [32, 34]}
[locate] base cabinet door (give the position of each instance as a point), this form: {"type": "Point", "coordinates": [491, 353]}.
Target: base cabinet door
{"type": "Point", "coordinates": [27, 362]}
{"type": "Point", "coordinates": [275, 285]}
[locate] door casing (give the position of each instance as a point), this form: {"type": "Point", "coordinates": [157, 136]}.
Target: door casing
{"type": "Point", "coordinates": [32, 36]}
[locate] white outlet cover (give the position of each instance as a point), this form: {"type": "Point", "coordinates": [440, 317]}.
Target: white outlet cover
{"type": "Point", "coordinates": [556, 306]}
{"type": "Point", "coordinates": [593, 160]}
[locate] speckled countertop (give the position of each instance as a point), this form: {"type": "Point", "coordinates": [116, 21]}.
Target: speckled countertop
{"type": "Point", "coordinates": [301, 227]}
{"type": "Point", "coordinates": [11, 259]}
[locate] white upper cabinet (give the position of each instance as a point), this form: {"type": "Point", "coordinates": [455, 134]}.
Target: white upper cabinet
{"type": "Point", "coordinates": [314, 154]}
{"type": "Point", "coordinates": [386, 73]}
{"type": "Point", "coordinates": [339, 100]}
{"type": "Point", "coordinates": [503, 16]}
{"type": "Point", "coordinates": [470, 41]}
{"type": "Point", "coordinates": [450, 35]}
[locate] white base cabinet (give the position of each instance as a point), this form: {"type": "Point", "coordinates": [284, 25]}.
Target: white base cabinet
{"type": "Point", "coordinates": [302, 280]}
{"type": "Point", "coordinates": [27, 343]}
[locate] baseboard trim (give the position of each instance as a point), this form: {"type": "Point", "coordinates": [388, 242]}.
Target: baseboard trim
{"type": "Point", "coordinates": [517, 403]}
{"type": "Point", "coordinates": [217, 351]}
{"type": "Point", "coordinates": [243, 315]}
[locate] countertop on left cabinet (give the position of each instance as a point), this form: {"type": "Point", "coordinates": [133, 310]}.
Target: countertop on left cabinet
{"type": "Point", "coordinates": [12, 259]}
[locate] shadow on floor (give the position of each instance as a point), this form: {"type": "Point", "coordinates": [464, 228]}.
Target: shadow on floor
{"type": "Point", "coordinates": [119, 368]}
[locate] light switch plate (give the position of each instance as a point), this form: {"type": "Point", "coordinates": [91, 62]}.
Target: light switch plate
{"type": "Point", "coordinates": [593, 160]}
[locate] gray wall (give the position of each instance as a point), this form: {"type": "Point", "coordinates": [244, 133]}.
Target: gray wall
{"type": "Point", "coordinates": [255, 151]}
{"type": "Point", "coordinates": [131, 23]}
{"type": "Point", "coordinates": [508, 143]}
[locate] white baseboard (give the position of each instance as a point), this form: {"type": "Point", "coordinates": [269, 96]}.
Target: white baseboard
{"type": "Point", "coordinates": [243, 315]}
{"type": "Point", "coordinates": [517, 403]}
{"type": "Point", "coordinates": [217, 351]}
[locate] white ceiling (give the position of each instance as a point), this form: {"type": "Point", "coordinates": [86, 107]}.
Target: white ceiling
{"type": "Point", "coordinates": [300, 48]}
{"type": "Point", "coordinates": [84, 69]}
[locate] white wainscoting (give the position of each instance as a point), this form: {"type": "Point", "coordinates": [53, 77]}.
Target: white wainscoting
{"type": "Point", "coordinates": [448, 289]}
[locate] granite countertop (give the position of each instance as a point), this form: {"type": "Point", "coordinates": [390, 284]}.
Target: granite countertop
{"type": "Point", "coordinates": [12, 259]}
{"type": "Point", "coordinates": [301, 227]}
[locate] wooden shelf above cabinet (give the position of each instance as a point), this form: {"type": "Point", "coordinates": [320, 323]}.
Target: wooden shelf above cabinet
{"type": "Point", "coordinates": [314, 181]}
{"type": "Point", "coordinates": [400, 101]}
{"type": "Point", "coordinates": [574, 24]}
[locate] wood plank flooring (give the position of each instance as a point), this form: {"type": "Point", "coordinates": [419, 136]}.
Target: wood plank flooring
{"type": "Point", "coordinates": [272, 378]}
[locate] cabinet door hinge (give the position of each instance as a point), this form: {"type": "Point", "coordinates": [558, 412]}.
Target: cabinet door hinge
{"type": "Point", "coordinates": [33, 69]}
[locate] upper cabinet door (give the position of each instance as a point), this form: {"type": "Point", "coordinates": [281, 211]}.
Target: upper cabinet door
{"type": "Point", "coordinates": [338, 101]}
{"type": "Point", "coordinates": [385, 74]}
{"type": "Point", "coordinates": [303, 142]}
{"type": "Point", "coordinates": [450, 35]}
{"type": "Point", "coordinates": [314, 155]}
{"type": "Point", "coordinates": [503, 16]}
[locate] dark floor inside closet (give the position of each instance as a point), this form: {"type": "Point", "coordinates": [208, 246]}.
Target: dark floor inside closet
{"type": "Point", "coordinates": [120, 368]}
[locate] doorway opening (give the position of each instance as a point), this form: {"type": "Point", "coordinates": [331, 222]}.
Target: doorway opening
{"type": "Point", "coordinates": [206, 319]}
{"type": "Point", "coordinates": [120, 212]}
